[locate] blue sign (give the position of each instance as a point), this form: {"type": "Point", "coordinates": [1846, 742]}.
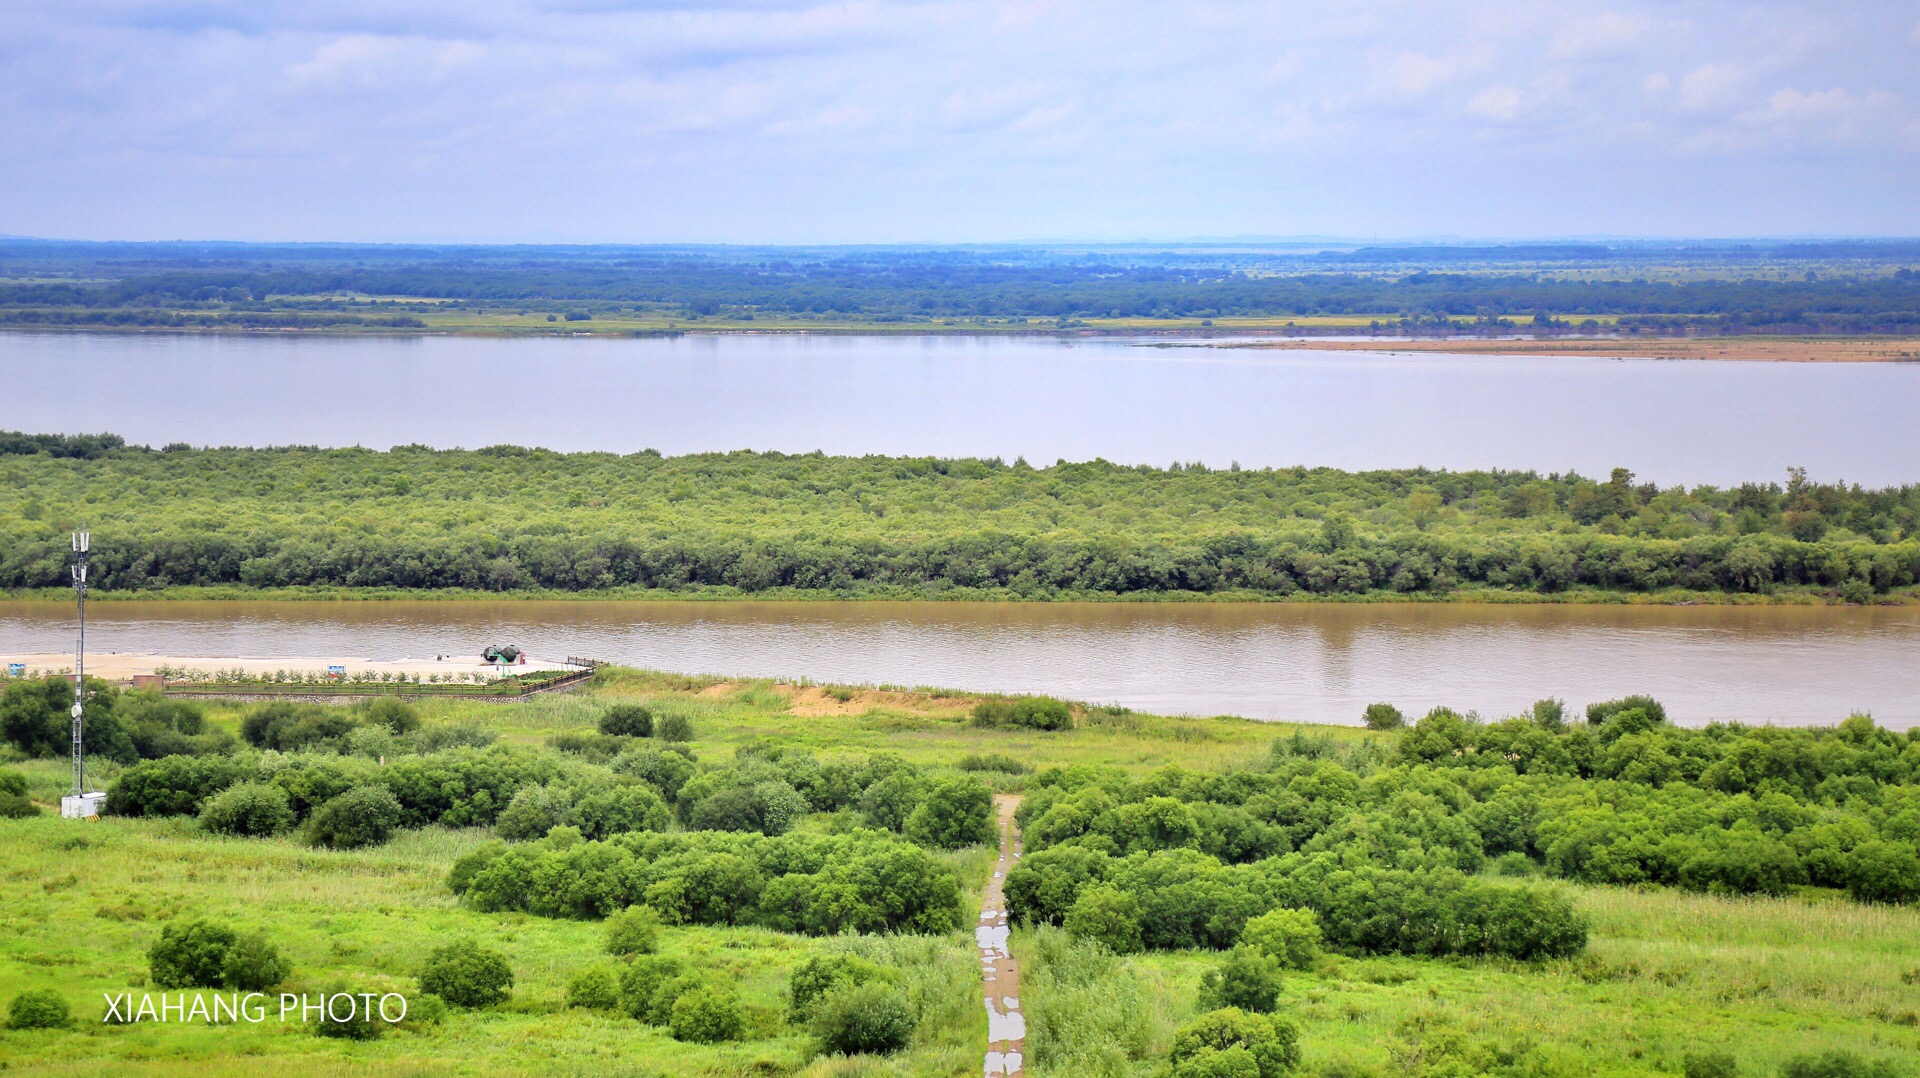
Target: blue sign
{"type": "Point", "coordinates": [337, 671]}
{"type": "Point", "coordinates": [16, 669]}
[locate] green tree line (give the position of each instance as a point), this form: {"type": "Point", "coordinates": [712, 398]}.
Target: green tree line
{"type": "Point", "coordinates": [506, 518]}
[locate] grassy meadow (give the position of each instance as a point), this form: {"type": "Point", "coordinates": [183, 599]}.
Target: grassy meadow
{"type": "Point", "coordinates": [1665, 972]}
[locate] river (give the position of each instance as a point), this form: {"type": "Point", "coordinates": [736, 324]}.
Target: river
{"type": "Point", "coordinates": [1135, 402]}
{"type": "Point", "coordinates": [1320, 662]}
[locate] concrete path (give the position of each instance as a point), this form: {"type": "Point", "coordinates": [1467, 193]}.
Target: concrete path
{"type": "Point", "coordinates": [999, 971]}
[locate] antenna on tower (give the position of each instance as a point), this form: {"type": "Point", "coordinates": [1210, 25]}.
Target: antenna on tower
{"type": "Point", "coordinates": [81, 803]}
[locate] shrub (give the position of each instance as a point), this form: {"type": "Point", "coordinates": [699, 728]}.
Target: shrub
{"type": "Point", "coordinates": [533, 812]}
{"type": "Point", "coordinates": [291, 727]}
{"type": "Point", "coordinates": [1032, 712]}
{"type": "Point", "coordinates": [252, 808]}
{"type": "Point", "coordinates": [398, 716]}
{"type": "Point", "coordinates": [993, 761]}
{"type": "Point", "coordinates": [953, 813]}
{"type": "Point", "coordinates": [707, 1014]}
{"type": "Point", "coordinates": [1383, 717]}
{"type": "Point", "coordinates": [627, 720]}
{"type": "Point", "coordinates": [822, 975]}
{"type": "Point", "coordinates": [1883, 872]}
{"type": "Point", "coordinates": [1108, 916]}
{"type": "Point", "coordinates": [1599, 713]}
{"type": "Point", "coordinates": [39, 1008]}
{"type": "Point", "coordinates": [14, 804]}
{"type": "Point", "coordinates": [634, 930]}
{"type": "Point", "coordinates": [466, 974]}
{"type": "Point", "coordinates": [673, 728]}
{"type": "Point", "coordinates": [453, 735]}
{"type": "Point", "coordinates": [1290, 937]}
{"type": "Point", "coordinates": [253, 964]}
{"type": "Point", "coordinates": [647, 980]}
{"type": "Point", "coordinates": [173, 785]}
{"type": "Point", "coordinates": [594, 988]}
{"type": "Point", "coordinates": [363, 816]}
{"type": "Point", "coordinates": [190, 954]}
{"type": "Point", "coordinates": [634, 807]}
{"type": "Point", "coordinates": [1837, 1064]}
{"type": "Point", "coordinates": [1709, 1065]}
{"type": "Point", "coordinates": [1550, 714]}
{"type": "Point", "coordinates": [865, 1019]}
{"type": "Point", "coordinates": [353, 1018]}
{"type": "Point", "coordinates": [1198, 1046]}
{"type": "Point", "coordinates": [1247, 978]}
{"type": "Point", "coordinates": [890, 801]}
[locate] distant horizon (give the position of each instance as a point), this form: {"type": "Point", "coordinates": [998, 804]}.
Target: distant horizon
{"type": "Point", "coordinates": [1415, 241]}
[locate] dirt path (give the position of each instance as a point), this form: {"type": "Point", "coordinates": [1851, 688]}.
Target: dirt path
{"type": "Point", "coordinates": [999, 971]}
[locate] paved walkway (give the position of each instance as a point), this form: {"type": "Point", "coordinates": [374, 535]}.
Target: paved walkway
{"type": "Point", "coordinates": [999, 971]}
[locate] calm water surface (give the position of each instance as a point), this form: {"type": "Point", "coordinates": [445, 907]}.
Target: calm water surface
{"type": "Point", "coordinates": [1671, 421]}
{"type": "Point", "coordinates": [1317, 662]}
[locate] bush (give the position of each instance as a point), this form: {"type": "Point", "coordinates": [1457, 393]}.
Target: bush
{"type": "Point", "coordinates": [1709, 1065]}
{"type": "Point", "coordinates": [953, 813]}
{"type": "Point", "coordinates": [190, 954]}
{"type": "Point", "coordinates": [398, 716]}
{"type": "Point", "coordinates": [1883, 872]}
{"type": "Point", "coordinates": [1599, 713]}
{"type": "Point", "coordinates": [1246, 978]}
{"type": "Point", "coordinates": [627, 720]}
{"type": "Point", "coordinates": [993, 761]}
{"type": "Point", "coordinates": [1550, 714]}
{"type": "Point", "coordinates": [291, 727]}
{"type": "Point", "coordinates": [706, 1015]}
{"type": "Point", "coordinates": [1032, 712]}
{"type": "Point", "coordinates": [595, 988]}
{"type": "Point", "coordinates": [533, 812]}
{"type": "Point", "coordinates": [1290, 937]}
{"type": "Point", "coordinates": [14, 803]}
{"type": "Point", "coordinates": [253, 964]}
{"type": "Point", "coordinates": [173, 785]}
{"type": "Point", "coordinates": [673, 728]}
{"type": "Point", "coordinates": [255, 809]}
{"type": "Point", "coordinates": [866, 1019]}
{"type": "Point", "coordinates": [647, 982]}
{"type": "Point", "coordinates": [363, 816]}
{"type": "Point", "coordinates": [361, 1021]}
{"type": "Point", "coordinates": [39, 1008]}
{"type": "Point", "coordinates": [1106, 915]}
{"type": "Point", "coordinates": [1383, 717]}
{"type": "Point", "coordinates": [822, 975]}
{"type": "Point", "coordinates": [466, 974]}
{"type": "Point", "coordinates": [1837, 1064]}
{"type": "Point", "coordinates": [634, 930]}
{"type": "Point", "coordinates": [1198, 1046]}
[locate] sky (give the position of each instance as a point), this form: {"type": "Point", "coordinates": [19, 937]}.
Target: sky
{"type": "Point", "coordinates": [788, 121]}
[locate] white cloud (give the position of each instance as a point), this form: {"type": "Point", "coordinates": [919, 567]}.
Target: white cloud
{"type": "Point", "coordinates": [1498, 103]}
{"type": "Point", "coordinates": [964, 119]}
{"type": "Point", "coordinates": [1711, 87]}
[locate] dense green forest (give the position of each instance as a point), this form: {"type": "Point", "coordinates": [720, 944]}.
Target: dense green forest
{"type": "Point", "coordinates": [508, 518]}
{"type": "Point", "coordinates": [1778, 288]}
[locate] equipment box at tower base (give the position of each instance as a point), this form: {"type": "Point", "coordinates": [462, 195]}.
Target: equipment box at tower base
{"type": "Point", "coordinates": [82, 806]}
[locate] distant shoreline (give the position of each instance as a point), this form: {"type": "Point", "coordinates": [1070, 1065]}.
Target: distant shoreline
{"type": "Point", "coordinates": [1332, 337]}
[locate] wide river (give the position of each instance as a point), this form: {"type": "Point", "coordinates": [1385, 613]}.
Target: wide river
{"type": "Point", "coordinates": [1044, 398]}
{"type": "Point", "coordinates": [1313, 662]}
{"type": "Point", "coordinates": [1671, 421]}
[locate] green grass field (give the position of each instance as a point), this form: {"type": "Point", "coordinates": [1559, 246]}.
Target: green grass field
{"type": "Point", "coordinates": [1665, 972]}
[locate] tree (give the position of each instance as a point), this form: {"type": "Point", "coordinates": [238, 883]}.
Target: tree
{"type": "Point", "coordinates": [191, 954]}
{"type": "Point", "coordinates": [595, 987]}
{"type": "Point", "coordinates": [1247, 978]}
{"type": "Point", "coordinates": [634, 930]}
{"type": "Point", "coordinates": [1273, 1043]}
{"type": "Point", "coordinates": [253, 964]}
{"type": "Point", "coordinates": [36, 715]}
{"type": "Point", "coordinates": [1881, 871]}
{"type": "Point", "coordinates": [628, 720]}
{"type": "Point", "coordinates": [955, 812]}
{"type": "Point", "coordinates": [706, 1015]}
{"type": "Point", "coordinates": [466, 974]}
{"type": "Point", "coordinates": [821, 975]}
{"type": "Point", "coordinates": [256, 809]}
{"type": "Point", "coordinates": [39, 1008]}
{"type": "Point", "coordinates": [863, 1019]}
{"type": "Point", "coordinates": [1289, 936]}
{"type": "Point", "coordinates": [397, 716]}
{"type": "Point", "coordinates": [1108, 916]}
{"type": "Point", "coordinates": [675, 728]}
{"type": "Point", "coordinates": [363, 816]}
{"type": "Point", "coordinates": [1606, 709]}
{"type": "Point", "coordinates": [1383, 717]}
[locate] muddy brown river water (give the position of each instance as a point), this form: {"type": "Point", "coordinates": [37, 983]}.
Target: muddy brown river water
{"type": "Point", "coordinates": [1321, 662]}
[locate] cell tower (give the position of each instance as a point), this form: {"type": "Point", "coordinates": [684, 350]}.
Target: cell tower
{"type": "Point", "coordinates": [81, 803]}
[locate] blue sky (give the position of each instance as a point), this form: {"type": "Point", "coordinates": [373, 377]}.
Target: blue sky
{"type": "Point", "coordinates": [792, 121]}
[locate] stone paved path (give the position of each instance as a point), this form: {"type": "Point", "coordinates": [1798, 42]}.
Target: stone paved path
{"type": "Point", "coordinates": [999, 971]}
